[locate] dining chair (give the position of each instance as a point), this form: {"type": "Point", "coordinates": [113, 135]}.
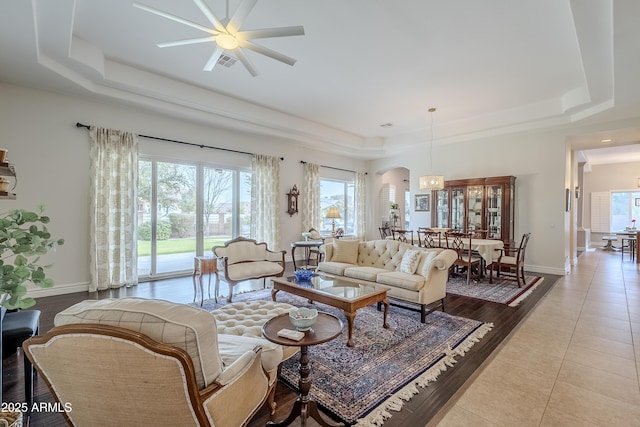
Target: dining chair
{"type": "Point", "coordinates": [461, 243]}
{"type": "Point", "coordinates": [401, 235]}
{"type": "Point", "coordinates": [511, 262]}
{"type": "Point", "coordinates": [385, 233]}
{"type": "Point", "coordinates": [480, 234]}
{"type": "Point", "coordinates": [428, 238]}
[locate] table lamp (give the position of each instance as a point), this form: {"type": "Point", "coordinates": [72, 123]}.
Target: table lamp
{"type": "Point", "coordinates": [333, 213]}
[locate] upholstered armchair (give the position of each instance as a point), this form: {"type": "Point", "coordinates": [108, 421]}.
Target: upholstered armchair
{"type": "Point", "coordinates": [134, 361]}
{"type": "Point", "coordinates": [246, 259]}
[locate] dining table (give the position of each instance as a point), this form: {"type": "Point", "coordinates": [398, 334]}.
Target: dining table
{"type": "Point", "coordinates": [488, 249]}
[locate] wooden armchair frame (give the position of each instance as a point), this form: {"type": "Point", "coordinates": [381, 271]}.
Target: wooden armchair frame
{"type": "Point", "coordinates": [110, 375]}
{"type": "Point", "coordinates": [249, 272]}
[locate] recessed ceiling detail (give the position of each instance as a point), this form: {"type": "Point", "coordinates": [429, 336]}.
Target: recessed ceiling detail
{"type": "Point", "coordinates": [227, 36]}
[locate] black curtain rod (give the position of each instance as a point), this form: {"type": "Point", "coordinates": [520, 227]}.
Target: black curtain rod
{"type": "Point", "coordinates": [331, 167]}
{"type": "Point", "coordinates": [80, 125]}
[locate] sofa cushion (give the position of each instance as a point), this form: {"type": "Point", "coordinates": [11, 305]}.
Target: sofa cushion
{"type": "Point", "coordinates": [335, 268]}
{"type": "Point", "coordinates": [248, 270]}
{"type": "Point", "coordinates": [426, 261]}
{"type": "Point", "coordinates": [345, 251]}
{"type": "Point", "coordinates": [189, 328]}
{"type": "Point", "coordinates": [233, 346]}
{"type": "Point", "coordinates": [364, 273]}
{"type": "Point", "coordinates": [410, 261]}
{"type": "Point", "coordinates": [412, 282]}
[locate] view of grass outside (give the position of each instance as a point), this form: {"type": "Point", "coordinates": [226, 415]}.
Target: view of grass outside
{"type": "Point", "coordinates": [175, 246]}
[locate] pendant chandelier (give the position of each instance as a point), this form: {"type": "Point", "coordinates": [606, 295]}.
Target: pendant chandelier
{"type": "Point", "coordinates": [431, 182]}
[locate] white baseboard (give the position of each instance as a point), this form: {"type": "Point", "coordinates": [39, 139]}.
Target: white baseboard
{"type": "Point", "coordinates": [36, 292]}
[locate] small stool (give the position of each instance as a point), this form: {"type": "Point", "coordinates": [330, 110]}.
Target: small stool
{"type": "Point", "coordinates": [205, 265]}
{"type": "Point", "coordinates": [17, 327]}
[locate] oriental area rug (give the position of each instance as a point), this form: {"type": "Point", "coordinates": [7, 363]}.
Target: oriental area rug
{"type": "Point", "coordinates": [364, 384]}
{"type": "Point", "coordinates": [502, 291]}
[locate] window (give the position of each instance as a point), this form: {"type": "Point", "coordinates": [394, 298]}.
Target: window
{"type": "Point", "coordinates": [186, 209]}
{"type": "Point", "coordinates": [339, 194]}
{"type": "Point", "coordinates": [614, 211]}
{"type": "Point", "coordinates": [624, 209]}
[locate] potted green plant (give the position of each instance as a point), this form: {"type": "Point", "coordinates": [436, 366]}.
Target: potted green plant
{"type": "Point", "coordinates": [23, 239]}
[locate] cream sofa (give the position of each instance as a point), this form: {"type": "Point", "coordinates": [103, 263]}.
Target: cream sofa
{"type": "Point", "coordinates": [413, 274]}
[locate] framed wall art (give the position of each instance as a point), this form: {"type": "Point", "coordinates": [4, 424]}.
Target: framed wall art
{"type": "Point", "coordinates": [423, 202]}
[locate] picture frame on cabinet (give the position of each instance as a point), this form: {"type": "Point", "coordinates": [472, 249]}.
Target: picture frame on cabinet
{"type": "Point", "coordinates": [423, 202]}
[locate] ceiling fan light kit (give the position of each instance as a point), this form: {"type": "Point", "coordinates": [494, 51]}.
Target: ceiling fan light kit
{"type": "Point", "coordinates": [227, 36]}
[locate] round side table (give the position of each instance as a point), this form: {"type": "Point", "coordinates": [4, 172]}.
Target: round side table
{"type": "Point", "coordinates": [326, 328]}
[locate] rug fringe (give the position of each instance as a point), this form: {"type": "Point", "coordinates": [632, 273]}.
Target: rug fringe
{"type": "Point", "coordinates": [518, 300]}
{"type": "Point", "coordinates": [395, 402]}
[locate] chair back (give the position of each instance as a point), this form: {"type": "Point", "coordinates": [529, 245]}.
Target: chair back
{"type": "Point", "coordinates": [385, 232]}
{"type": "Point", "coordinates": [522, 248]}
{"type": "Point", "coordinates": [480, 234]}
{"type": "Point", "coordinates": [428, 238]}
{"type": "Point", "coordinates": [109, 375]}
{"type": "Point", "coordinates": [455, 241]}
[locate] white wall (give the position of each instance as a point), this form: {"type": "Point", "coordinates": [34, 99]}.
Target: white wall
{"type": "Point", "coordinates": [51, 157]}
{"type": "Point", "coordinates": [538, 162]}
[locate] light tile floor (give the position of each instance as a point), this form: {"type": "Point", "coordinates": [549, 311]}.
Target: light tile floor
{"type": "Point", "coordinates": [574, 361]}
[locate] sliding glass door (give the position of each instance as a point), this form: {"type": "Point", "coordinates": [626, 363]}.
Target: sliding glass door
{"type": "Point", "coordinates": [184, 210]}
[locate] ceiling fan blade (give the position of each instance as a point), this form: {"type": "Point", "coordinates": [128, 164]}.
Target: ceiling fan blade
{"type": "Point", "coordinates": [272, 32]}
{"type": "Point", "coordinates": [173, 17]}
{"type": "Point", "coordinates": [267, 52]}
{"type": "Point", "coordinates": [187, 41]}
{"type": "Point", "coordinates": [213, 59]}
{"type": "Point", "coordinates": [209, 14]}
{"type": "Point", "coordinates": [246, 62]}
{"type": "Point", "coordinates": [240, 15]}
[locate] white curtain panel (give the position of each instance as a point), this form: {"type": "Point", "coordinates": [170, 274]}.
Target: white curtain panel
{"type": "Point", "coordinates": [265, 199]}
{"type": "Point", "coordinates": [114, 186]}
{"type": "Point", "coordinates": [361, 204]}
{"type": "Point", "coordinates": [310, 196]}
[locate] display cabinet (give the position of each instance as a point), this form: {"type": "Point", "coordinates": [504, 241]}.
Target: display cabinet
{"type": "Point", "coordinates": [477, 204]}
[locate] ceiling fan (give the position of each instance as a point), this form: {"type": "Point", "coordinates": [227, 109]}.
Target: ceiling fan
{"type": "Point", "coordinates": [227, 36]}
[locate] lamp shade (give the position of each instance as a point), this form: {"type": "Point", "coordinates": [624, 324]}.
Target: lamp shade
{"type": "Point", "coordinates": [432, 182]}
{"type": "Point", "coordinates": [333, 213]}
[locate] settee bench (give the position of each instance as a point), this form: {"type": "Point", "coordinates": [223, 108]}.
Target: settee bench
{"type": "Point", "coordinates": [245, 259]}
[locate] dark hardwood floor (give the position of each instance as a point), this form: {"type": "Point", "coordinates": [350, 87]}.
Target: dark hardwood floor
{"type": "Point", "coordinates": [417, 412]}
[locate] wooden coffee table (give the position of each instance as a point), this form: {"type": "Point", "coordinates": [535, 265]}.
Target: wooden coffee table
{"type": "Point", "coordinates": [346, 295]}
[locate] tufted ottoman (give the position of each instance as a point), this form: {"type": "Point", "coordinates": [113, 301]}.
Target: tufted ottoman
{"type": "Point", "coordinates": [246, 319]}
{"type": "Point", "coordinates": [239, 325]}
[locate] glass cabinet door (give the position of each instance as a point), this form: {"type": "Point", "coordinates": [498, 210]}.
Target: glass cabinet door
{"type": "Point", "coordinates": [457, 208]}
{"type": "Point", "coordinates": [494, 211]}
{"type": "Point", "coordinates": [442, 208]}
{"type": "Point", "coordinates": [474, 202]}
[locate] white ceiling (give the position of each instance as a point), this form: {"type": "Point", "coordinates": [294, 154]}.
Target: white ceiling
{"type": "Point", "coordinates": [489, 67]}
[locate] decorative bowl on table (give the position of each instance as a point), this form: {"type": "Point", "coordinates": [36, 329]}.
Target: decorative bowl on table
{"type": "Point", "coordinates": [303, 318]}
{"type": "Point", "coordinates": [304, 275]}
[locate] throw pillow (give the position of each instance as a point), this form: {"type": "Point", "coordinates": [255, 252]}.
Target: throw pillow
{"type": "Point", "coordinates": [410, 261]}
{"type": "Point", "coordinates": [345, 251]}
{"type": "Point", "coordinates": [425, 263]}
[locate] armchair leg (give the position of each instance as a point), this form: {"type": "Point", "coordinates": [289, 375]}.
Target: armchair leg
{"type": "Point", "coordinates": [271, 399]}
{"type": "Point", "coordinates": [423, 313]}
